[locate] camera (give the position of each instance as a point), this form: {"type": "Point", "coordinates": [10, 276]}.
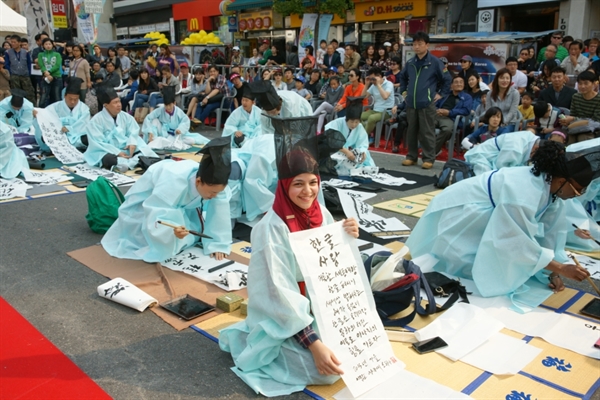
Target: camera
{"type": "Point", "coordinates": [373, 80]}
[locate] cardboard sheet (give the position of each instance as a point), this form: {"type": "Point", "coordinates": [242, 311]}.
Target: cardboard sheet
{"type": "Point", "coordinates": [161, 283]}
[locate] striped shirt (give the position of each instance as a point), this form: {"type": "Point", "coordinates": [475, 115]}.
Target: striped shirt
{"type": "Point", "coordinates": [582, 108]}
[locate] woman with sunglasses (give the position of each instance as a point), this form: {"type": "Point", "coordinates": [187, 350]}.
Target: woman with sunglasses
{"type": "Point", "coordinates": [475, 226]}
{"type": "Point", "coordinates": [354, 88]}
{"type": "Point", "coordinates": [191, 196]}
{"type": "Point", "coordinates": [467, 68]}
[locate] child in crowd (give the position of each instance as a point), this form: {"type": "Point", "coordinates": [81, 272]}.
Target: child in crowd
{"type": "Point", "coordinates": [526, 109]}
{"type": "Point", "coordinates": [547, 118]}
{"type": "Point", "coordinates": [300, 81]}
{"type": "Point", "coordinates": [492, 120]}
{"type": "Point", "coordinates": [278, 82]}
{"type": "Point", "coordinates": [558, 136]}
{"type": "Point", "coordinates": [342, 75]}
{"type": "Point", "coordinates": [332, 97]}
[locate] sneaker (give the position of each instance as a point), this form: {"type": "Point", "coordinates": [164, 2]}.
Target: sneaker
{"type": "Point", "coordinates": [395, 149]}
{"type": "Point", "coordinates": [427, 165]}
{"type": "Point", "coordinates": [196, 121]}
{"type": "Point", "coordinates": [408, 163]}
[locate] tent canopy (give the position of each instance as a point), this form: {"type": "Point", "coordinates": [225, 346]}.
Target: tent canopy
{"type": "Point", "coordinates": [11, 21]}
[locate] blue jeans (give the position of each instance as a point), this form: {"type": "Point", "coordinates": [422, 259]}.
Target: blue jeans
{"type": "Point", "coordinates": [140, 99]}
{"type": "Point", "coordinates": [203, 112]}
{"type": "Point", "coordinates": [155, 99]}
{"type": "Point", "coordinates": [51, 91]}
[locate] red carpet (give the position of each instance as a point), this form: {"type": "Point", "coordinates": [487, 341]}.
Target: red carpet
{"type": "Point", "coordinates": [31, 367]}
{"type": "Point", "coordinates": [403, 150]}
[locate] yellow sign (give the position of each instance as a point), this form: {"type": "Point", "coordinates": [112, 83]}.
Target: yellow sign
{"type": "Point", "coordinates": [296, 21]}
{"type": "Point", "coordinates": [389, 10]}
{"type": "Point", "coordinates": [260, 20]}
{"type": "Point", "coordinates": [60, 21]}
{"type": "Point", "coordinates": [193, 25]}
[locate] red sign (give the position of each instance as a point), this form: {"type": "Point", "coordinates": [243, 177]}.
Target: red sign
{"type": "Point", "coordinates": [58, 7]}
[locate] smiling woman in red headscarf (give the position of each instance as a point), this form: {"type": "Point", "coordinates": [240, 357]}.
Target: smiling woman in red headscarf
{"type": "Point", "coordinates": [277, 349]}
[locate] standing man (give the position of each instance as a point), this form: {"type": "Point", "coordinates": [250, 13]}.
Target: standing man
{"type": "Point", "coordinates": [423, 82]}
{"type": "Point", "coordinates": [556, 40]}
{"type": "Point", "coordinates": [125, 64]}
{"type": "Point", "coordinates": [519, 79]}
{"type": "Point", "coordinates": [18, 62]}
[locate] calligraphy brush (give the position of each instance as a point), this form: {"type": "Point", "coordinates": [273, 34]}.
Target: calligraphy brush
{"type": "Point", "coordinates": [202, 235]}
{"type": "Point", "coordinates": [576, 227]}
{"type": "Point", "coordinates": [587, 277]}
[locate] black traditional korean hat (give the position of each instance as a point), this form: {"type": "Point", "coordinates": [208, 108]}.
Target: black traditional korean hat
{"type": "Point", "coordinates": [17, 96]}
{"type": "Point", "coordinates": [106, 93]}
{"type": "Point", "coordinates": [265, 93]}
{"type": "Point", "coordinates": [74, 85]}
{"type": "Point", "coordinates": [354, 107]}
{"type": "Point", "coordinates": [168, 93]}
{"type": "Point", "coordinates": [296, 145]}
{"type": "Point", "coordinates": [216, 160]}
{"type": "Point", "coordinates": [584, 165]}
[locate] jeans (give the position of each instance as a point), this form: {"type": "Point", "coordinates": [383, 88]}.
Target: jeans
{"type": "Point", "coordinates": [203, 112]}
{"type": "Point", "coordinates": [155, 99]}
{"type": "Point", "coordinates": [140, 99]}
{"type": "Point", "coordinates": [50, 91]}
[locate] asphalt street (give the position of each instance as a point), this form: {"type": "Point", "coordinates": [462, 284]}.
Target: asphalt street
{"type": "Point", "coordinates": [131, 355]}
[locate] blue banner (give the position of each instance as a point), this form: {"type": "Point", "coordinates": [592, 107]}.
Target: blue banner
{"type": "Point", "coordinates": [232, 23]}
{"type": "Point", "coordinates": [324, 24]}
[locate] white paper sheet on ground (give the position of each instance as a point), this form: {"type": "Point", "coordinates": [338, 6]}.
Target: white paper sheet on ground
{"type": "Point", "coordinates": [192, 261]}
{"type": "Point", "coordinates": [57, 140]}
{"type": "Point", "coordinates": [365, 172]}
{"type": "Point", "coordinates": [343, 306]}
{"type": "Point", "coordinates": [10, 188]}
{"type": "Point", "coordinates": [340, 183]}
{"type": "Point", "coordinates": [405, 385]}
{"type": "Point", "coordinates": [92, 173]}
{"type": "Point", "coordinates": [344, 166]}
{"type": "Point", "coordinates": [123, 292]}
{"type": "Point", "coordinates": [565, 331]}
{"type": "Point", "coordinates": [502, 355]}
{"type": "Point", "coordinates": [464, 327]}
{"type": "Point", "coordinates": [372, 250]}
{"type": "Point", "coordinates": [385, 276]}
{"type": "Point", "coordinates": [169, 143]}
{"type": "Point", "coordinates": [353, 203]}
{"type": "Point", "coordinates": [591, 264]}
{"type": "Point", "coordinates": [380, 177]}
{"type": "Point", "coordinates": [45, 178]}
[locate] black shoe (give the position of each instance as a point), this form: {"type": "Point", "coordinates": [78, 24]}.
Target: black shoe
{"type": "Point", "coordinates": [395, 149]}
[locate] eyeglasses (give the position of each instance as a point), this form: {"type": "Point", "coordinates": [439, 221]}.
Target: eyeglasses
{"type": "Point", "coordinates": [577, 193]}
{"type": "Point", "coordinates": [556, 37]}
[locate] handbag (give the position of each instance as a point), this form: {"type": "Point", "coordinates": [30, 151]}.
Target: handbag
{"type": "Point", "coordinates": [145, 162]}
{"type": "Point", "coordinates": [442, 286]}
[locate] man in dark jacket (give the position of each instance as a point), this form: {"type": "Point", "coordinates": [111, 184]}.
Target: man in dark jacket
{"type": "Point", "coordinates": [559, 94]}
{"type": "Point", "coordinates": [423, 82]}
{"type": "Point", "coordinates": [450, 107]}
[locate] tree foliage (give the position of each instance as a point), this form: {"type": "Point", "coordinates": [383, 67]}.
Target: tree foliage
{"type": "Point", "coordinates": [287, 7]}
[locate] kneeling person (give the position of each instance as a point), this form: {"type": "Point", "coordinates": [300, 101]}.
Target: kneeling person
{"type": "Point", "coordinates": [244, 121]}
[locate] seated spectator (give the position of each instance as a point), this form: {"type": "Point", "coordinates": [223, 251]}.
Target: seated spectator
{"type": "Point", "coordinates": [398, 116]}
{"type": "Point", "coordinates": [97, 72]}
{"type": "Point", "coordinates": [473, 89]}
{"type": "Point", "coordinates": [450, 107]}
{"type": "Point", "coordinates": [239, 86]}
{"type": "Point", "coordinates": [314, 83]}
{"type": "Point", "coordinates": [504, 97]}
{"type": "Point", "coordinates": [292, 58]}
{"type": "Point", "coordinates": [342, 74]}
{"type": "Point", "coordinates": [353, 89]}
{"type": "Point", "coordinates": [216, 89]}
{"type": "Point", "coordinates": [382, 62]}
{"type": "Point", "coordinates": [546, 118]}
{"type": "Point", "coordinates": [197, 89]}
{"type": "Point", "coordinates": [467, 67]}
{"type": "Point", "coordinates": [368, 58]}
{"type": "Point", "coordinates": [321, 52]}
{"type": "Point", "coordinates": [543, 80]}
{"type": "Point", "coordinates": [576, 62]}
{"type": "Point", "coordinates": [168, 79]}
{"type": "Point", "coordinates": [393, 75]}
{"type": "Point", "coordinates": [526, 109]}
{"type": "Point", "coordinates": [559, 94]}
{"type": "Point", "coordinates": [185, 77]}
{"type": "Point", "coordinates": [306, 68]}
{"type": "Point", "coordinates": [309, 54]}
{"type": "Point", "coordinates": [236, 56]}
{"type": "Point", "coordinates": [382, 92]}
{"type": "Point", "coordinates": [592, 50]}
{"type": "Point", "coordinates": [550, 55]}
{"type": "Point", "coordinates": [300, 81]}
{"type": "Point", "coordinates": [559, 137]}
{"type": "Point", "coordinates": [519, 79]}
{"type": "Point", "coordinates": [584, 105]}
{"type": "Point", "coordinates": [332, 96]}
{"type": "Point", "coordinates": [329, 73]}
{"type": "Point", "coordinates": [561, 52]}
{"type": "Point", "coordinates": [352, 57]}
{"type": "Point", "coordinates": [277, 81]}
{"type": "Point", "coordinates": [526, 64]}
{"type": "Point", "coordinates": [331, 58]}
{"type": "Point", "coordinates": [492, 127]}
{"type": "Point", "coordinates": [276, 57]}
{"type": "Point", "coordinates": [112, 78]}
{"type": "Point", "coordinates": [133, 83]}
{"type": "Point", "coordinates": [288, 78]}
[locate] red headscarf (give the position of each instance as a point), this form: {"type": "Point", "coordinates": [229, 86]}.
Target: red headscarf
{"type": "Point", "coordinates": [296, 218]}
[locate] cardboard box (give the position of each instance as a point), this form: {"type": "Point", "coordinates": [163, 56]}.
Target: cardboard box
{"type": "Point", "coordinates": [241, 252]}
{"type": "Point", "coordinates": [244, 307]}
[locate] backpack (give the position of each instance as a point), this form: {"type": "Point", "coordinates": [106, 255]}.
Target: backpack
{"type": "Point", "coordinates": [454, 171]}
{"type": "Point", "coordinates": [104, 200]}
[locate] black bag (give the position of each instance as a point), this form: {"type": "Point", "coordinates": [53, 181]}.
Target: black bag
{"type": "Point", "coordinates": [394, 301]}
{"type": "Point", "coordinates": [146, 162]}
{"type": "Point", "coordinates": [454, 171]}
{"type": "Point", "coordinates": [442, 286]}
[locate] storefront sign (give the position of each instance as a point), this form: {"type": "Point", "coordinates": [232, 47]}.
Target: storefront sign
{"type": "Point", "coordinates": [194, 26]}
{"type": "Point", "coordinates": [260, 20]}
{"type": "Point", "coordinates": [296, 21]}
{"type": "Point", "coordinates": [141, 29]}
{"type": "Point", "coordinates": [162, 27]}
{"type": "Point", "coordinates": [485, 21]}
{"type": "Point", "coordinates": [389, 10]}
{"type": "Point", "coordinates": [232, 24]}
{"type": "Point", "coordinates": [59, 15]}
{"type": "Point", "coordinates": [94, 6]}
{"type": "Point", "coordinates": [122, 31]}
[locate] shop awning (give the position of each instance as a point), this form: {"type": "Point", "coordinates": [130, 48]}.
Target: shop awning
{"type": "Point", "coordinates": [239, 5]}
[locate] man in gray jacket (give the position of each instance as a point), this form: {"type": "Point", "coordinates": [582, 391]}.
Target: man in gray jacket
{"type": "Point", "coordinates": [422, 82]}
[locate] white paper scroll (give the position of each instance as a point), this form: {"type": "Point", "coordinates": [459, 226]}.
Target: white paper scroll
{"type": "Point", "coordinates": [45, 178]}
{"type": "Point", "coordinates": [340, 183]}
{"type": "Point", "coordinates": [121, 291]}
{"type": "Point", "coordinates": [379, 177]}
{"type": "Point", "coordinates": [353, 203]}
{"type": "Point", "coordinates": [92, 173]}
{"type": "Point", "coordinates": [12, 188]}
{"type": "Point", "coordinates": [57, 140]}
{"type": "Point", "coordinates": [589, 263]}
{"type": "Point", "coordinates": [192, 261]}
{"type": "Point", "coordinates": [343, 305]}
